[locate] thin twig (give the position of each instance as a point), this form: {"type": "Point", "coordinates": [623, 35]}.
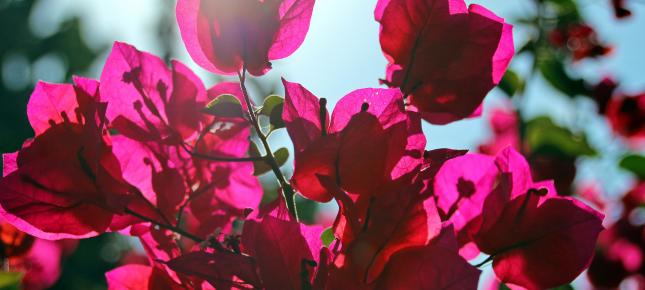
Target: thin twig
{"type": "Point", "coordinates": [287, 190]}
{"type": "Point", "coordinates": [220, 158]}
{"type": "Point", "coordinates": [165, 226]}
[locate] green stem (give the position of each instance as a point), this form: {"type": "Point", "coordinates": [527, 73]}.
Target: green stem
{"type": "Point", "coordinates": [287, 190]}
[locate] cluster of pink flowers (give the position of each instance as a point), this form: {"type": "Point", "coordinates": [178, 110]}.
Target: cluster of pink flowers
{"type": "Point", "coordinates": [148, 151]}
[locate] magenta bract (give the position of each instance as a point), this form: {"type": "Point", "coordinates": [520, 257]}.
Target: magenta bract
{"type": "Point", "coordinates": [224, 36]}
{"type": "Point", "coordinates": [434, 47]}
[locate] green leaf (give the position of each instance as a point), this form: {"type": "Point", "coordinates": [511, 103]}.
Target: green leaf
{"type": "Point", "coordinates": [541, 132]}
{"type": "Point", "coordinates": [10, 280]}
{"type": "Point", "coordinates": [566, 10]}
{"type": "Point", "coordinates": [554, 73]}
{"type": "Point", "coordinates": [634, 164]}
{"type": "Point", "coordinates": [511, 83]}
{"type": "Point", "coordinates": [281, 156]}
{"type": "Point", "coordinates": [327, 236]}
{"type": "Point", "coordinates": [528, 47]}
{"type": "Point", "coordinates": [272, 108]}
{"type": "Point", "coordinates": [224, 106]}
{"type": "Point", "coordinates": [261, 167]}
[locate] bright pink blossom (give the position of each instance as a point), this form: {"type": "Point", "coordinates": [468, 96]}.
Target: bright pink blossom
{"type": "Point", "coordinates": [435, 47]}
{"type": "Point", "coordinates": [156, 111]}
{"type": "Point", "coordinates": [66, 183]}
{"type": "Point", "coordinates": [368, 145]}
{"type": "Point", "coordinates": [146, 100]}
{"type": "Point", "coordinates": [224, 36]}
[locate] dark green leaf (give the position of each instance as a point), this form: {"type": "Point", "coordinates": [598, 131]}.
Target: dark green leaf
{"type": "Point", "coordinates": [269, 103]}
{"type": "Point", "coordinates": [259, 167]}
{"type": "Point", "coordinates": [566, 10]}
{"type": "Point", "coordinates": [327, 237]}
{"type": "Point", "coordinates": [281, 156]}
{"type": "Point", "coordinates": [553, 71]}
{"type": "Point", "coordinates": [542, 132]}
{"type": "Point", "coordinates": [272, 108]}
{"type": "Point", "coordinates": [635, 164]}
{"type": "Point", "coordinates": [224, 106]}
{"type": "Point", "coordinates": [527, 47]}
{"type": "Point", "coordinates": [511, 83]}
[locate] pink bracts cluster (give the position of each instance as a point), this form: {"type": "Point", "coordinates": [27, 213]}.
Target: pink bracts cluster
{"type": "Point", "coordinates": [148, 151]}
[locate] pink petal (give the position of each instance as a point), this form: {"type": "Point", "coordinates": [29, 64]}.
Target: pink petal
{"type": "Point", "coordinates": [295, 16]}
{"type": "Point", "coordinates": [9, 163]}
{"type": "Point", "coordinates": [280, 247]}
{"type": "Point", "coordinates": [187, 98]}
{"type": "Point", "coordinates": [139, 277]}
{"type": "Point", "coordinates": [218, 268]}
{"type": "Point", "coordinates": [461, 186]}
{"type": "Point", "coordinates": [423, 62]}
{"type": "Point", "coordinates": [301, 115]}
{"type": "Point", "coordinates": [435, 266]}
{"type": "Point", "coordinates": [51, 104]}
{"type": "Point", "coordinates": [136, 86]}
{"type": "Point", "coordinates": [385, 104]}
{"type": "Point", "coordinates": [510, 161]}
{"type": "Point", "coordinates": [189, 24]}
{"type": "Point", "coordinates": [47, 215]}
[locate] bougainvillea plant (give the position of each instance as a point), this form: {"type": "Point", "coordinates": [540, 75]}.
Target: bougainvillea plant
{"type": "Point", "coordinates": [148, 151]}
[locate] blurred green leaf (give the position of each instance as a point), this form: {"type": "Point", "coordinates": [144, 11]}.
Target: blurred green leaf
{"type": "Point", "coordinates": [527, 47]}
{"type": "Point", "coordinates": [327, 236]}
{"type": "Point", "coordinates": [224, 106]}
{"type": "Point", "coordinates": [566, 11]}
{"type": "Point", "coordinates": [272, 108]}
{"type": "Point", "coordinates": [542, 132]}
{"type": "Point", "coordinates": [634, 164]}
{"type": "Point", "coordinates": [10, 280]}
{"type": "Point", "coordinates": [553, 71]}
{"type": "Point", "coordinates": [511, 83]}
